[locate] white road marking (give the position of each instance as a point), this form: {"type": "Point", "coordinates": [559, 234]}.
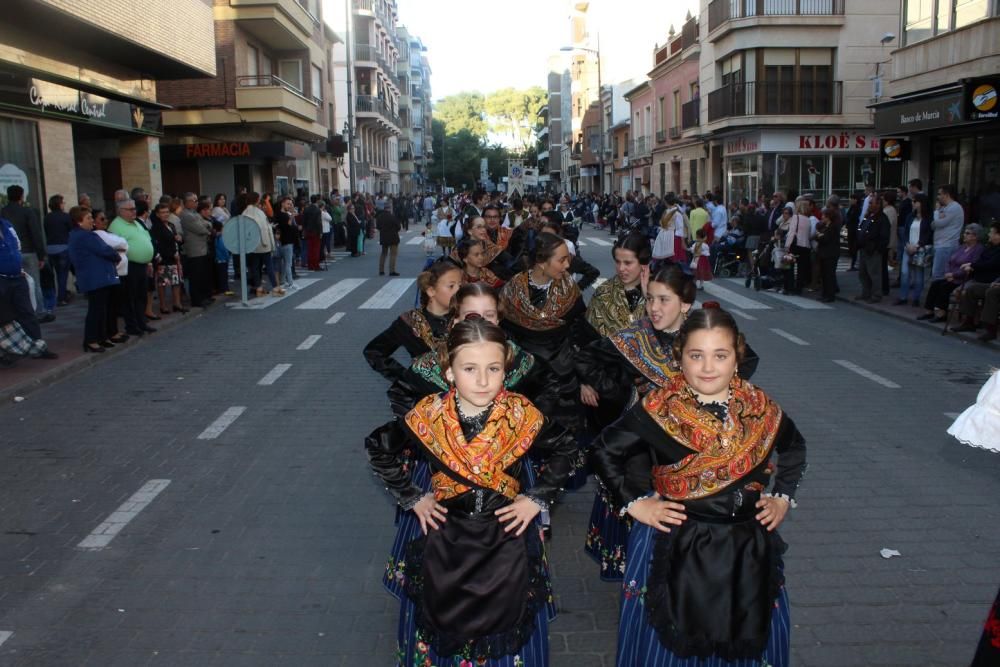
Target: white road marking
{"type": "Point", "coordinates": [273, 374]}
{"type": "Point", "coordinates": [740, 313]}
{"type": "Point", "coordinates": [336, 318]}
{"type": "Point", "coordinates": [952, 415]}
{"type": "Point", "coordinates": [388, 295]}
{"type": "Point", "coordinates": [224, 421]}
{"type": "Point", "coordinates": [787, 336]}
{"type": "Point", "coordinates": [416, 240]}
{"type": "Point", "coordinates": [309, 342]}
{"type": "Point", "coordinates": [866, 373]}
{"type": "Point", "coordinates": [732, 297]}
{"type": "Point", "coordinates": [599, 282]}
{"type": "Point", "coordinates": [104, 533]}
{"type": "Point", "coordinates": [331, 295]}
{"type": "Point", "coordinates": [581, 244]}
{"type": "Point", "coordinates": [266, 301]}
{"type": "Point", "coordinates": [5, 635]}
{"type": "Point", "coordinates": [601, 242]}
{"type": "Point", "coordinates": [801, 302]}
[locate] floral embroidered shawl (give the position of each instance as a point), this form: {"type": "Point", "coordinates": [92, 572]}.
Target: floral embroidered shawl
{"type": "Point", "coordinates": [608, 310]}
{"type": "Point", "coordinates": [517, 307]}
{"type": "Point", "coordinates": [639, 345]}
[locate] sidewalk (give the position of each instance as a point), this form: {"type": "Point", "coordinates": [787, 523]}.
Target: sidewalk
{"type": "Point", "coordinates": [65, 338]}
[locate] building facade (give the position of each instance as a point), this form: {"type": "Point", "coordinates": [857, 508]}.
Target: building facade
{"type": "Point", "coordinates": [82, 115]}
{"type": "Point", "coordinates": [264, 122]}
{"type": "Point", "coordinates": [784, 92]}
{"type": "Point", "coordinates": [938, 116]}
{"type": "Point", "coordinates": [640, 101]}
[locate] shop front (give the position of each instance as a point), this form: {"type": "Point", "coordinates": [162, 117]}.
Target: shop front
{"type": "Point", "coordinates": [55, 138]}
{"type": "Point", "coordinates": [948, 135]}
{"type": "Point", "coordinates": [800, 161]}
{"type": "Point", "coordinates": [278, 167]}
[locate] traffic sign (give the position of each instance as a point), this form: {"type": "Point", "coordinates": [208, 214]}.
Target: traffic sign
{"type": "Point", "coordinates": [241, 234]}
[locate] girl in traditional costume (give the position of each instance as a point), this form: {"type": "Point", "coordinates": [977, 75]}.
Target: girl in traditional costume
{"type": "Point", "coordinates": [704, 578]}
{"type": "Point", "coordinates": [474, 586]}
{"type": "Point", "coordinates": [495, 258]}
{"type": "Point", "coordinates": [421, 329]}
{"type": "Point", "coordinates": [472, 254]}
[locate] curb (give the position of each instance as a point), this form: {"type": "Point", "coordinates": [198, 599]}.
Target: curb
{"type": "Point", "coordinates": [937, 328]}
{"type": "Point", "coordinates": [79, 364]}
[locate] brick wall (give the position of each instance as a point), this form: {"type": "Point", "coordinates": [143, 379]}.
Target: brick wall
{"type": "Point", "coordinates": [219, 91]}
{"type": "Point", "coordinates": [179, 29]}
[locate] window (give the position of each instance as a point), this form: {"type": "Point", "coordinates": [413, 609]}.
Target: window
{"type": "Point", "coordinates": [317, 83]}
{"type": "Point", "coordinates": [970, 11]}
{"type": "Point", "coordinates": [290, 72]}
{"type": "Point", "coordinates": [796, 81]}
{"type": "Point", "coordinates": [22, 161]}
{"type": "Point", "coordinates": [923, 19]}
{"type": "Point", "coordinates": [252, 58]}
{"type": "Point", "coordinates": [732, 69]}
{"type": "Point", "coordinates": [677, 109]}
{"type": "Point", "coordinates": [615, 149]}
{"type": "Point", "coordinates": [266, 68]}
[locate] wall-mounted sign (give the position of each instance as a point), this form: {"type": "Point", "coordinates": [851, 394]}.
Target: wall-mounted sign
{"type": "Point", "coordinates": [894, 150]}
{"type": "Point", "coordinates": [246, 150]}
{"type": "Point", "coordinates": [914, 115]}
{"type": "Point", "coordinates": [39, 97]}
{"type": "Point", "coordinates": [801, 141]}
{"type": "Point", "coordinates": [981, 101]}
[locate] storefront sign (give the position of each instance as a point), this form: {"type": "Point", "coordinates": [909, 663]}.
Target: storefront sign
{"type": "Point", "coordinates": [802, 141]}
{"type": "Point", "coordinates": [981, 101]}
{"type": "Point", "coordinates": [894, 150]}
{"type": "Point", "coordinates": [38, 97]}
{"type": "Point", "coordinates": [231, 149]}
{"type": "Point", "coordinates": [919, 114]}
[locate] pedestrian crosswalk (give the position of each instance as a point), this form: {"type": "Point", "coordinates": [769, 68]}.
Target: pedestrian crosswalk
{"type": "Point", "coordinates": [398, 294]}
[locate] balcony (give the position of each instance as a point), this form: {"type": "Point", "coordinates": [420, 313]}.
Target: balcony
{"type": "Point", "coordinates": [722, 11]}
{"type": "Point", "coordinates": [283, 25]}
{"type": "Point", "coordinates": [268, 99]}
{"type": "Point", "coordinates": [376, 9]}
{"type": "Point", "coordinates": [691, 114]}
{"type": "Point", "coordinates": [675, 132]}
{"type": "Point", "coordinates": [375, 108]}
{"type": "Point", "coordinates": [544, 132]}
{"type": "Point", "coordinates": [640, 148]}
{"type": "Point", "coordinates": [661, 137]}
{"type": "Point", "coordinates": [761, 98]}
{"type": "Point", "coordinates": [543, 155]}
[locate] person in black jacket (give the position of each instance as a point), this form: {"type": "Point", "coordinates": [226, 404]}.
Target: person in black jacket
{"type": "Point", "coordinates": [57, 226]}
{"type": "Point", "coordinates": [873, 240]}
{"type": "Point", "coordinates": [388, 237]}
{"type": "Point", "coordinates": [828, 252]}
{"type": "Point", "coordinates": [29, 230]}
{"type": "Point", "coordinates": [312, 228]}
{"type": "Point", "coordinates": [853, 221]}
{"type": "Point", "coordinates": [577, 265]}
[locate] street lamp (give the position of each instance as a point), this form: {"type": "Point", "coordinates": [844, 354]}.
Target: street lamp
{"type": "Point", "coordinates": [600, 104]}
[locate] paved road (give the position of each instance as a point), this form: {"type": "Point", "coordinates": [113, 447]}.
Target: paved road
{"type": "Point", "coordinates": [217, 484]}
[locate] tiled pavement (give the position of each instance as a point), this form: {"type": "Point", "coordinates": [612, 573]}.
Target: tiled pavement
{"type": "Point", "coordinates": [267, 545]}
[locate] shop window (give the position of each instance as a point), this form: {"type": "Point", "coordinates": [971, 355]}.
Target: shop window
{"type": "Point", "coordinates": [20, 163]}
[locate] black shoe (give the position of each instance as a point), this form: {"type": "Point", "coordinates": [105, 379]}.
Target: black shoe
{"type": "Point", "coordinates": [49, 354]}
{"type": "Point", "coordinates": [148, 329]}
{"type": "Point", "coordinates": [393, 273]}
{"type": "Point", "coordinates": [46, 318]}
{"type": "Point", "coordinates": [381, 273]}
{"type": "Point", "coordinates": [926, 316]}
{"type": "Point", "coordinates": [6, 361]}
{"type": "Point", "coordinates": [827, 299]}
{"type": "Point", "coordinates": [964, 327]}
{"type": "Point", "coordinates": [899, 302]}
{"type": "Point", "coordinates": [118, 339]}
{"type": "Point", "coordinates": [939, 320]}
{"type": "Point", "coordinates": [97, 350]}
{"type": "Point", "coordinates": [106, 344]}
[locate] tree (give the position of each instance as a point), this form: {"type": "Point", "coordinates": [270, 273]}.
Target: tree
{"type": "Point", "coordinates": [463, 111]}
{"type": "Point", "coordinates": [512, 113]}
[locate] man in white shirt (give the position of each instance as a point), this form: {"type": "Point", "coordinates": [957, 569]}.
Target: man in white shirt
{"type": "Point", "coordinates": [720, 220]}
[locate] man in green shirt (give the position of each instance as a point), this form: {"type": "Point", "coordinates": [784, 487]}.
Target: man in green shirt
{"type": "Point", "coordinates": [139, 254]}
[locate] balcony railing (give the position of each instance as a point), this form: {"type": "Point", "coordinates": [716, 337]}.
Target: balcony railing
{"type": "Point", "coordinates": [764, 98]}
{"type": "Point", "coordinates": [691, 114]}
{"type": "Point", "coordinates": [640, 147]}
{"type": "Point", "coordinates": [675, 132]}
{"type": "Point", "coordinates": [720, 11]}
{"type": "Point", "coordinates": [267, 81]}
{"type": "Point", "coordinates": [661, 136]}
{"type": "Point", "coordinates": [368, 104]}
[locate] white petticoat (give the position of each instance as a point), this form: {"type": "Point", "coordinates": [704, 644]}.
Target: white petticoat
{"type": "Point", "coordinates": [979, 425]}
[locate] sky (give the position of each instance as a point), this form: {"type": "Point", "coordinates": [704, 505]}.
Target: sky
{"type": "Point", "coordinates": [484, 46]}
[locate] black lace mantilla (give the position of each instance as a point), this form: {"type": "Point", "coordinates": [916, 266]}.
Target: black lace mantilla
{"type": "Point", "coordinates": [494, 646]}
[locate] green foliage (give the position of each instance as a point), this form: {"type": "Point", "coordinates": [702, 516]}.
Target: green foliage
{"type": "Point", "coordinates": [463, 123]}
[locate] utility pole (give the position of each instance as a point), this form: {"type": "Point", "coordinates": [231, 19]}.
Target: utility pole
{"type": "Point", "coordinates": [350, 99]}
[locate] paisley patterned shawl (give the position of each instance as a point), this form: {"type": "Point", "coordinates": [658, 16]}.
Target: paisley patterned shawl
{"type": "Point", "coordinates": [428, 366]}
{"type": "Point", "coordinates": [508, 435]}
{"type": "Point", "coordinates": [723, 452]}
{"type": "Point", "coordinates": [639, 345]}
{"type": "Point", "coordinates": [608, 310]}
{"type": "Point", "coordinates": [420, 327]}
{"type": "Point", "coordinates": [490, 252]}
{"type": "Point", "coordinates": [517, 308]}
{"type": "Point", "coordinates": [485, 276]}
{"type": "Point", "coordinates": [503, 237]}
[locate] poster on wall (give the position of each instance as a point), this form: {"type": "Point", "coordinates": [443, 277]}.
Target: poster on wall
{"type": "Point", "coordinates": [11, 174]}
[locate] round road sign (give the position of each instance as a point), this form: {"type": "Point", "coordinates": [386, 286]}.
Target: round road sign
{"type": "Point", "coordinates": [244, 227]}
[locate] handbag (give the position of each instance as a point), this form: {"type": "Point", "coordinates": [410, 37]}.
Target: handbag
{"type": "Point", "coordinates": [663, 247]}
{"type": "Point", "coordinates": [923, 257]}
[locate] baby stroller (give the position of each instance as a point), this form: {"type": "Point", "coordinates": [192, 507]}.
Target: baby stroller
{"type": "Point", "coordinates": [762, 272]}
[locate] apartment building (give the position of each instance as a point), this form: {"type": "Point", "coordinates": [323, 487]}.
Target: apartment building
{"type": "Point", "coordinates": [938, 115]}
{"type": "Point", "coordinates": [81, 113]}
{"type": "Point", "coordinates": [784, 90]}
{"type": "Point", "coordinates": [640, 157]}
{"type": "Point", "coordinates": [264, 122]}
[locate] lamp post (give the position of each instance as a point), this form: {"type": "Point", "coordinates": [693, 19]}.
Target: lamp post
{"type": "Point", "coordinates": [600, 104]}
